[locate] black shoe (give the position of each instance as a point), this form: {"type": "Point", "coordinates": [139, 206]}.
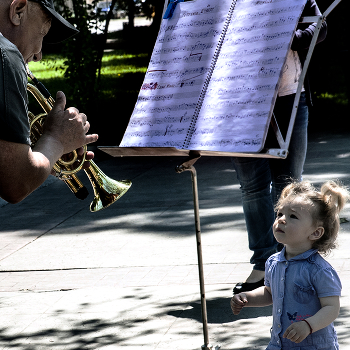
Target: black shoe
{"type": "Point", "coordinates": [246, 287]}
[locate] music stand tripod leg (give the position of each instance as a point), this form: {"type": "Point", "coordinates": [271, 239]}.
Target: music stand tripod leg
{"type": "Point", "coordinates": [188, 166]}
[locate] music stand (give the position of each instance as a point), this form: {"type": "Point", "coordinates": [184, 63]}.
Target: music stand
{"type": "Point", "coordinates": [193, 156]}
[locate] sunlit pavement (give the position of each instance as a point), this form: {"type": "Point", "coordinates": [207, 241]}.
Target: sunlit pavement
{"type": "Point", "coordinates": [127, 276]}
{"type": "Point", "coordinates": [117, 24]}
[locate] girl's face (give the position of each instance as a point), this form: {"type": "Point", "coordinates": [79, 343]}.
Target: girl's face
{"type": "Point", "coordinates": [294, 226]}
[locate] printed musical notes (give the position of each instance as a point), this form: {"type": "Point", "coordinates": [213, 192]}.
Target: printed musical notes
{"type": "Point", "coordinates": [178, 67]}
{"type": "Point", "coordinates": [213, 76]}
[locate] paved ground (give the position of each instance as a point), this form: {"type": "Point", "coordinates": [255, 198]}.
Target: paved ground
{"type": "Point", "coordinates": [127, 276]}
{"type": "Point", "coordinates": [117, 24]}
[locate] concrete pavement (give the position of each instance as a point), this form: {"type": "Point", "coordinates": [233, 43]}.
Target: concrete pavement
{"type": "Point", "coordinates": [127, 276]}
{"type": "Point", "coordinates": [117, 24]}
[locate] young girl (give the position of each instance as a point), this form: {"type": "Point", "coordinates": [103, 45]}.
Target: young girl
{"type": "Point", "coordinates": [302, 286]}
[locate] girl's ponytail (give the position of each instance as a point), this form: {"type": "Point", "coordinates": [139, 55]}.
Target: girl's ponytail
{"type": "Point", "coordinates": [334, 195]}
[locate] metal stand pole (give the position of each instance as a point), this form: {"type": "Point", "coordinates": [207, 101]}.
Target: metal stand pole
{"type": "Point", "coordinates": [188, 166]}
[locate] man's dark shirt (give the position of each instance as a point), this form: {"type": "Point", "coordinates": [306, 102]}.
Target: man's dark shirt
{"type": "Point", "coordinates": [14, 124]}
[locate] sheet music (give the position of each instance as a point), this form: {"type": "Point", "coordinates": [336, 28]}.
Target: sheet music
{"type": "Point", "coordinates": [178, 67]}
{"type": "Point", "coordinates": [241, 94]}
{"type": "Point", "coordinates": [237, 105]}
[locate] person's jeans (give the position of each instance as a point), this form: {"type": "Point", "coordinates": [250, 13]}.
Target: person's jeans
{"type": "Point", "coordinates": [263, 179]}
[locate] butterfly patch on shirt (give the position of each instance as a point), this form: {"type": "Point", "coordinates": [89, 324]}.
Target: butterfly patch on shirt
{"type": "Point", "coordinates": [295, 317]}
{"type": "Point", "coordinates": [292, 317]}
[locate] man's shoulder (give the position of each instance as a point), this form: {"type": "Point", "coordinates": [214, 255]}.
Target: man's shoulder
{"type": "Point", "coordinates": [7, 44]}
{"type": "Point", "coordinates": [9, 53]}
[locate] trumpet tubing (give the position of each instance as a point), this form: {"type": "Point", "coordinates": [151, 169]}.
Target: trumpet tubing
{"type": "Point", "coordinates": [106, 190]}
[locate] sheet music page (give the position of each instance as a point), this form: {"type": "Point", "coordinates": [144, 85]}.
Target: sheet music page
{"type": "Point", "coordinates": [178, 67]}
{"type": "Point", "coordinates": [241, 94]}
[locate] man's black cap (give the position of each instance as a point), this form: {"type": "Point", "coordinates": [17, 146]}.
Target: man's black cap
{"type": "Point", "coordinates": [60, 28]}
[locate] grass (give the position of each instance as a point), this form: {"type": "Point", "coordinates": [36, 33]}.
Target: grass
{"type": "Point", "coordinates": [114, 62]}
{"type": "Point", "coordinates": [337, 98]}
{"type": "Point", "coordinates": [115, 65]}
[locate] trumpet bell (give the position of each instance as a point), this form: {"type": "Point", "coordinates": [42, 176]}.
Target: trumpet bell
{"type": "Point", "coordinates": [106, 190]}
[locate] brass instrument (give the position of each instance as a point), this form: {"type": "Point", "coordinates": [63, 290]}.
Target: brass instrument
{"type": "Point", "coordinates": [106, 190]}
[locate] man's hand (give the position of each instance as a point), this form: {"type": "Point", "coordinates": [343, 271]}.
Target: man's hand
{"type": "Point", "coordinates": [89, 155]}
{"type": "Point", "coordinates": [68, 127]}
{"type": "Point", "coordinates": [80, 151]}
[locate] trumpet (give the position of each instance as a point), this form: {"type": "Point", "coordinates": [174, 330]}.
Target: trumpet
{"type": "Point", "coordinates": [106, 190]}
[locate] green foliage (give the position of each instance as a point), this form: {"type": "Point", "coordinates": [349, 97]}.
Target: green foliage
{"type": "Point", "coordinates": [82, 52]}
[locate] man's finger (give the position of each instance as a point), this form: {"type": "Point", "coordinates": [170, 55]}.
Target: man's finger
{"type": "Point", "coordinates": [86, 126]}
{"type": "Point", "coordinates": [91, 138]}
{"type": "Point", "coordinates": [80, 151]}
{"type": "Point", "coordinates": [60, 102]}
{"type": "Point", "coordinates": [89, 155]}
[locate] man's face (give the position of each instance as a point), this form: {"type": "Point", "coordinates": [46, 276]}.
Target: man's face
{"type": "Point", "coordinates": [34, 27]}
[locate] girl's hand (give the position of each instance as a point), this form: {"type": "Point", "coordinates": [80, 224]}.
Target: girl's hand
{"type": "Point", "coordinates": [238, 302]}
{"type": "Point", "coordinates": [297, 332]}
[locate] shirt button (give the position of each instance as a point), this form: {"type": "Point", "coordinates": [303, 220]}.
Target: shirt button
{"type": "Point", "coordinates": [278, 341]}
{"type": "Point", "coordinates": [279, 310]}
{"type": "Point", "coordinates": [279, 326]}
{"type": "Point", "coordinates": [286, 262]}
{"type": "Point", "coordinates": [282, 279]}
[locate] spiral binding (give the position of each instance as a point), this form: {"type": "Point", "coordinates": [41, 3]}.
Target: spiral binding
{"type": "Point", "coordinates": [208, 78]}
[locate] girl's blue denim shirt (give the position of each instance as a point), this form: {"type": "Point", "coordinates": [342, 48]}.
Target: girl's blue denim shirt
{"type": "Point", "coordinates": [296, 286]}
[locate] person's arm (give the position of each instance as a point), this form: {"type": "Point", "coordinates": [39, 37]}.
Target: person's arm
{"type": "Point", "coordinates": [304, 33]}
{"type": "Point", "coordinates": [255, 298]}
{"type": "Point", "coordinates": [329, 311]}
{"type": "Point", "coordinates": [23, 169]}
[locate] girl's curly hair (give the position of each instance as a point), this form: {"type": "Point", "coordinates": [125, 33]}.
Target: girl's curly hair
{"type": "Point", "coordinates": [327, 204]}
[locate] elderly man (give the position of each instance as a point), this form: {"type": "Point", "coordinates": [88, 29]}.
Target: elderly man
{"type": "Point", "coordinates": [24, 24]}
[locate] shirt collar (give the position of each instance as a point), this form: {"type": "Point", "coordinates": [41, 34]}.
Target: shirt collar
{"type": "Point", "coordinates": [281, 256]}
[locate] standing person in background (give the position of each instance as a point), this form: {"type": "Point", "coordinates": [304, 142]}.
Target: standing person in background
{"type": "Point", "coordinates": [261, 179]}
{"type": "Point", "coordinates": [24, 24]}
